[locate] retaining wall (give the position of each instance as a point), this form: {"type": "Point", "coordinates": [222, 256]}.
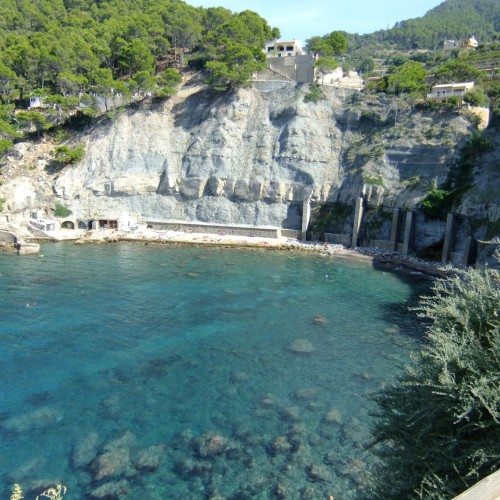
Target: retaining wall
{"type": "Point", "coordinates": [188, 227]}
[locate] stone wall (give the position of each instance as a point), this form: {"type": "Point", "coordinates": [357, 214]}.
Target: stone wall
{"type": "Point", "coordinates": [221, 229]}
{"type": "Point", "coordinates": [6, 237]}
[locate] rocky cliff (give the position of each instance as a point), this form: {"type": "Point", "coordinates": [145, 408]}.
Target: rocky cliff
{"type": "Point", "coordinates": [251, 157]}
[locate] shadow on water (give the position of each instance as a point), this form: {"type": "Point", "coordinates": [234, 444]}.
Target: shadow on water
{"type": "Point", "coordinates": [396, 313]}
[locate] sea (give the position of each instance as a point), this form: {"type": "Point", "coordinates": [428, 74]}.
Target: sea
{"type": "Point", "coordinates": [150, 371]}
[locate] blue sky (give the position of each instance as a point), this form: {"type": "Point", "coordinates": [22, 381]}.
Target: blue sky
{"type": "Point", "coordinates": [303, 19]}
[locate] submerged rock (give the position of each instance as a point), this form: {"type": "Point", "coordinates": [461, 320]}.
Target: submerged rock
{"type": "Point", "coordinates": [356, 471]}
{"type": "Point", "coordinates": [289, 413]}
{"type": "Point", "coordinates": [114, 490]}
{"type": "Point", "coordinates": [318, 473]}
{"type": "Point", "coordinates": [85, 450]}
{"type": "Point", "coordinates": [236, 377]}
{"type": "Point", "coordinates": [210, 445]}
{"type": "Point", "coordinates": [114, 460]}
{"type": "Point", "coordinates": [319, 320]}
{"type": "Point", "coordinates": [279, 446]}
{"type": "Point", "coordinates": [392, 330]}
{"type": "Point", "coordinates": [187, 467]}
{"type": "Point", "coordinates": [305, 394]}
{"type": "Point", "coordinates": [333, 417]}
{"type": "Point", "coordinates": [301, 346]}
{"type": "Point", "coordinates": [37, 419]}
{"type": "Point", "coordinates": [149, 459]}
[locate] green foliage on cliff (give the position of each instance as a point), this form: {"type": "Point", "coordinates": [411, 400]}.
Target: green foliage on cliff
{"type": "Point", "coordinates": [62, 211]}
{"type": "Point", "coordinates": [436, 203]}
{"type": "Point", "coordinates": [437, 430]}
{"type": "Point", "coordinates": [67, 156]}
{"type": "Point", "coordinates": [314, 94]}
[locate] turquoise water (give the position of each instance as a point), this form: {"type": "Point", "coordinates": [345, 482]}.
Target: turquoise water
{"type": "Point", "coordinates": [149, 371]}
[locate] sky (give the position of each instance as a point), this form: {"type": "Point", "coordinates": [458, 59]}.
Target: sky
{"type": "Point", "coordinates": [303, 19]}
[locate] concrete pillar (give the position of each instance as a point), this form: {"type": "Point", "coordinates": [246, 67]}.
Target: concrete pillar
{"type": "Point", "coordinates": [395, 229]}
{"type": "Point", "coordinates": [306, 217]}
{"type": "Point", "coordinates": [409, 231]}
{"type": "Point", "coordinates": [358, 216]}
{"type": "Point", "coordinates": [470, 252]}
{"type": "Point", "coordinates": [449, 238]}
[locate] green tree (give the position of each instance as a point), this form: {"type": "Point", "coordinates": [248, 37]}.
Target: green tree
{"type": "Point", "coordinates": [437, 431]}
{"type": "Point", "coordinates": [408, 78]}
{"type": "Point", "coordinates": [366, 65]}
{"type": "Point", "coordinates": [234, 66]}
{"type": "Point", "coordinates": [215, 17]}
{"type": "Point", "coordinates": [33, 118]}
{"type": "Point", "coordinates": [325, 65]}
{"type": "Point", "coordinates": [167, 81]}
{"type": "Point", "coordinates": [319, 46]}
{"type": "Point", "coordinates": [458, 71]}
{"type": "Point", "coordinates": [337, 42]}
{"type": "Point", "coordinates": [477, 97]}
{"type": "Point", "coordinates": [65, 155]}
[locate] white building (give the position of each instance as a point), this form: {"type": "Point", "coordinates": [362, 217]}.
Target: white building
{"type": "Point", "coordinates": [37, 102]}
{"type": "Point", "coordinates": [442, 92]}
{"type": "Point", "coordinates": [277, 48]}
{"type": "Point", "coordinates": [465, 44]}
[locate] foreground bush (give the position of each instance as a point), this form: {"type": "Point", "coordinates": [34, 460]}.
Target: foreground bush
{"type": "Point", "coordinates": [437, 431]}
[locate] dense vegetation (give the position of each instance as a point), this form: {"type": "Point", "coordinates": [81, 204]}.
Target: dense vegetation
{"type": "Point", "coordinates": [69, 51]}
{"type": "Point", "coordinates": [451, 20]}
{"type": "Point", "coordinates": [438, 429]}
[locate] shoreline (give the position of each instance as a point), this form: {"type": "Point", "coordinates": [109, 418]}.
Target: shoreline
{"type": "Point", "coordinates": [381, 259]}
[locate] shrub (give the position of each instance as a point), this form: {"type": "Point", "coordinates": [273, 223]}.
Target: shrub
{"type": "Point", "coordinates": [5, 145]}
{"type": "Point", "coordinates": [67, 156]}
{"type": "Point", "coordinates": [437, 430]}
{"type": "Point", "coordinates": [477, 97]}
{"type": "Point", "coordinates": [476, 144]}
{"type": "Point", "coordinates": [62, 211]}
{"type": "Point", "coordinates": [315, 94]}
{"type": "Point", "coordinates": [435, 203]}
{"type": "Point", "coordinates": [374, 181]}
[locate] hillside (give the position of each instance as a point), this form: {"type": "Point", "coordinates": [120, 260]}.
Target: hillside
{"type": "Point", "coordinates": [453, 19]}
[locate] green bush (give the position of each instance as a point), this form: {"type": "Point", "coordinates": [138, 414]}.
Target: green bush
{"type": "Point", "coordinates": [436, 202]}
{"type": "Point", "coordinates": [5, 145]}
{"type": "Point", "coordinates": [476, 144]}
{"type": "Point", "coordinates": [62, 211]}
{"type": "Point", "coordinates": [374, 181]}
{"type": "Point", "coordinates": [477, 97]}
{"type": "Point", "coordinates": [67, 156]}
{"type": "Point", "coordinates": [315, 94]}
{"type": "Point", "coordinates": [437, 431]}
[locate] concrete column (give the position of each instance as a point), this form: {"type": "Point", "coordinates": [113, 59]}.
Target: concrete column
{"type": "Point", "coordinates": [306, 217]}
{"type": "Point", "coordinates": [409, 231]}
{"type": "Point", "coordinates": [470, 252]}
{"type": "Point", "coordinates": [449, 238]}
{"type": "Point", "coordinates": [395, 229]}
{"type": "Point", "coordinates": [358, 216]}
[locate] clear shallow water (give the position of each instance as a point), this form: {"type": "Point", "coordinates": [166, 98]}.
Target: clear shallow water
{"type": "Point", "coordinates": [180, 372]}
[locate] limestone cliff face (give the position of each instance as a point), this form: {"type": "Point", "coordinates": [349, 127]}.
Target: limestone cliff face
{"type": "Point", "coordinates": [250, 157]}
